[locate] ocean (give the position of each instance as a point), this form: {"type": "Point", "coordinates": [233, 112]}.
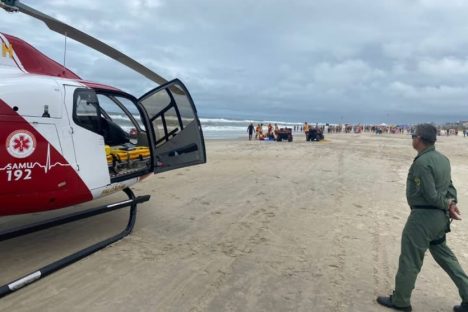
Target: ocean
{"type": "Point", "coordinates": [213, 128]}
{"type": "Point", "coordinates": [223, 128]}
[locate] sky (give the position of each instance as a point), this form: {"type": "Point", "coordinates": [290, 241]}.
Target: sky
{"type": "Point", "coordinates": [360, 61]}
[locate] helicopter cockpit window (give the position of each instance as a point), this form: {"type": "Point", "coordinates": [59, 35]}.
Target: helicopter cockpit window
{"type": "Point", "coordinates": [123, 112]}
{"type": "Point", "coordinates": [116, 114]}
{"type": "Point", "coordinates": [132, 109]}
{"type": "Point", "coordinates": [86, 110]}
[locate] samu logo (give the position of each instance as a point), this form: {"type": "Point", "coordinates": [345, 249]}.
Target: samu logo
{"type": "Point", "coordinates": [21, 143]}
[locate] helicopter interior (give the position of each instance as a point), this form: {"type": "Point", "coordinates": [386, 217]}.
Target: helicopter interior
{"type": "Point", "coordinates": [117, 119]}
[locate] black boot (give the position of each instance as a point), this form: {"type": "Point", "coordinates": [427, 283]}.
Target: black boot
{"type": "Point", "coordinates": [461, 308]}
{"type": "Point", "coordinates": [387, 302]}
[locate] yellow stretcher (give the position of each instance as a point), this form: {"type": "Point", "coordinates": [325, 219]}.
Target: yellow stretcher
{"type": "Point", "coordinates": [125, 155]}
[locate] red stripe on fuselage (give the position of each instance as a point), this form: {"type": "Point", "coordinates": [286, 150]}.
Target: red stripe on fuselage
{"type": "Point", "coordinates": [41, 181]}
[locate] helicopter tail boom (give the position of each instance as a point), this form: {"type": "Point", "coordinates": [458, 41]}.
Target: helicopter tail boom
{"type": "Point", "coordinates": [71, 32]}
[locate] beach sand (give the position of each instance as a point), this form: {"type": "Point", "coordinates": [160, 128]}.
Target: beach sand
{"type": "Point", "coordinates": [263, 226]}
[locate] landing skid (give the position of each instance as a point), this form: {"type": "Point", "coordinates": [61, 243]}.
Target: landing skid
{"type": "Point", "coordinates": [66, 261]}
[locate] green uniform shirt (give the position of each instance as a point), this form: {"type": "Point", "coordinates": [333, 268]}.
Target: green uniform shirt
{"type": "Point", "coordinates": [429, 182]}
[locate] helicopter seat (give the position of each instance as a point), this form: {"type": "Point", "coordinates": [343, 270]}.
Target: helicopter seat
{"type": "Point", "coordinates": [113, 133]}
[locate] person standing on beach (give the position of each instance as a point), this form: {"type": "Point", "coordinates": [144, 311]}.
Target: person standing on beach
{"type": "Point", "coordinates": [433, 201]}
{"type": "Point", "coordinates": [258, 130]}
{"type": "Point", "coordinates": [270, 131]}
{"type": "Point", "coordinates": [250, 130]}
{"type": "Point", "coordinates": [306, 129]}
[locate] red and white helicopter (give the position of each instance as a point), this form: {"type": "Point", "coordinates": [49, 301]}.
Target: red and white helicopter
{"type": "Point", "coordinates": [65, 140]}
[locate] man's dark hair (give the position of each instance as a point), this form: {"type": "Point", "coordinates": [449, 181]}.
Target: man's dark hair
{"type": "Point", "coordinates": [427, 133]}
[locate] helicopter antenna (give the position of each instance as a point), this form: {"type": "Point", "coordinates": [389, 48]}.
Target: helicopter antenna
{"type": "Point", "coordinates": [62, 28]}
{"type": "Point", "coordinates": [65, 51]}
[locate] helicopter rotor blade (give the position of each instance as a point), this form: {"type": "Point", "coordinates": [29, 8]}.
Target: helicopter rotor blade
{"type": "Point", "coordinates": [71, 32]}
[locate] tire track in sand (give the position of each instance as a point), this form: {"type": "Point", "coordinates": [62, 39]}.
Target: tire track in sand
{"type": "Point", "coordinates": [339, 250]}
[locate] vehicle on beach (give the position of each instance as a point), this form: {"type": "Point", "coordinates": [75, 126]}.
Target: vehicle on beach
{"type": "Point", "coordinates": [66, 140]}
{"type": "Point", "coordinates": [284, 134]}
{"type": "Point", "coordinates": [314, 134]}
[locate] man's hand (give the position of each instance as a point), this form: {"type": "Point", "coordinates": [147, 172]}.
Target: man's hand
{"type": "Point", "coordinates": [454, 213]}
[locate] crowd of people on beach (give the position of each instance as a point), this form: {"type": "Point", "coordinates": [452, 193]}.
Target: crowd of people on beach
{"type": "Point", "coordinates": [271, 132]}
{"type": "Point", "coordinates": [275, 133]}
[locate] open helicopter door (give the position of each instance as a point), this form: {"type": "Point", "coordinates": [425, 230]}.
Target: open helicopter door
{"type": "Point", "coordinates": [178, 137]}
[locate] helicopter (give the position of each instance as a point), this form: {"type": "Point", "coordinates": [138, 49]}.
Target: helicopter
{"type": "Point", "coordinates": [65, 140]}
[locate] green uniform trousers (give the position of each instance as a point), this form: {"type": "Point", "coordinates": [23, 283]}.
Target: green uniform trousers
{"type": "Point", "coordinates": [422, 227]}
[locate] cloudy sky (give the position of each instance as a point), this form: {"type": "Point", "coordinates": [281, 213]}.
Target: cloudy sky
{"type": "Point", "coordinates": [394, 61]}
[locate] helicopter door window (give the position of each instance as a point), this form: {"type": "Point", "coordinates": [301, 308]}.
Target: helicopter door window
{"type": "Point", "coordinates": [166, 126]}
{"type": "Point", "coordinates": [166, 119]}
{"type": "Point", "coordinates": [185, 108]}
{"type": "Point", "coordinates": [159, 132]}
{"type": "Point", "coordinates": [157, 102]}
{"type": "Point", "coordinates": [86, 110]}
{"type": "Point", "coordinates": [171, 125]}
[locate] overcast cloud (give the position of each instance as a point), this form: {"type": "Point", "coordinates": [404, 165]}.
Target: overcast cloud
{"type": "Point", "coordinates": [323, 61]}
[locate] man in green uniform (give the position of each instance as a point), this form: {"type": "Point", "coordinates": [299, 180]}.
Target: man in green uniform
{"type": "Point", "coordinates": [433, 201]}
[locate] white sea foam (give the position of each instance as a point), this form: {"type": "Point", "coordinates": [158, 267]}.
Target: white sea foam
{"type": "Point", "coordinates": [226, 128]}
{"type": "Point", "coordinates": [224, 120]}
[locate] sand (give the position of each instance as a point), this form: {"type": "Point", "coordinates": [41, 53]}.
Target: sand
{"type": "Point", "coordinates": [263, 226]}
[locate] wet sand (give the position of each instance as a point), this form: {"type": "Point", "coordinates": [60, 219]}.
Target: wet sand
{"type": "Point", "coordinates": [263, 226]}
